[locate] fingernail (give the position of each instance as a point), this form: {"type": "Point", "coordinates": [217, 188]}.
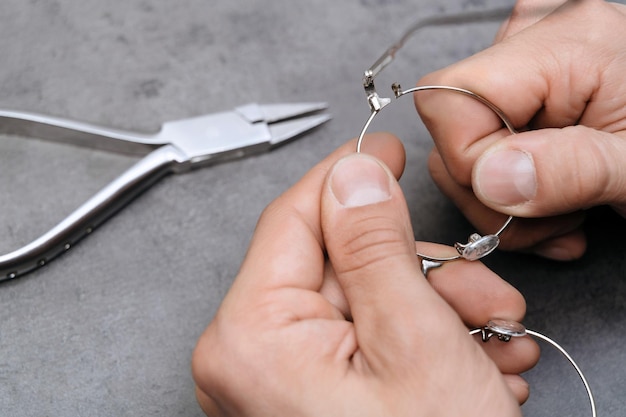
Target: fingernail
{"type": "Point", "coordinates": [506, 177]}
{"type": "Point", "coordinates": [359, 180]}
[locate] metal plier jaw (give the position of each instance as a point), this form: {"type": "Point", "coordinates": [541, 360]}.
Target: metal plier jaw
{"type": "Point", "coordinates": [244, 131]}
{"type": "Point", "coordinates": [177, 147]}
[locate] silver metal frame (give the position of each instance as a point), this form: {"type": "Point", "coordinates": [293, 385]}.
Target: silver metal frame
{"type": "Point", "coordinates": [505, 330]}
{"type": "Point", "coordinates": [477, 246]}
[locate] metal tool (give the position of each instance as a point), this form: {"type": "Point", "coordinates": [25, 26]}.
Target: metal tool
{"type": "Point", "coordinates": [178, 146]}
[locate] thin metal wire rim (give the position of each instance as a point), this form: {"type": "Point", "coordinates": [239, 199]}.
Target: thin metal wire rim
{"type": "Point", "coordinates": [567, 356]}
{"type": "Point", "coordinates": [501, 115]}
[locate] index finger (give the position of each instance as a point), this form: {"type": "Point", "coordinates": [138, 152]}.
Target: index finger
{"type": "Point", "coordinates": [525, 14]}
{"type": "Point", "coordinates": [535, 77]}
{"type": "Point", "coordinates": [475, 292]}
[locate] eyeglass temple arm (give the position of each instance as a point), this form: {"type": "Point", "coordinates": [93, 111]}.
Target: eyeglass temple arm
{"type": "Point", "coordinates": [442, 20]}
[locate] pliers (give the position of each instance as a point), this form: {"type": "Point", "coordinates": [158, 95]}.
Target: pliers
{"type": "Point", "coordinates": [178, 146]}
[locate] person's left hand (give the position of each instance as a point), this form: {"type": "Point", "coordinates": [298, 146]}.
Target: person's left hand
{"type": "Point", "coordinates": [564, 90]}
{"type": "Point", "coordinates": [331, 315]}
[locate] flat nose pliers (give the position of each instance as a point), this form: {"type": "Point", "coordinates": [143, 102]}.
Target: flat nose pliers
{"type": "Point", "coordinates": [177, 147]}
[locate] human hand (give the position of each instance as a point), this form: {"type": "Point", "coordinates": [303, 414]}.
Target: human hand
{"type": "Point", "coordinates": [557, 68]}
{"type": "Point", "coordinates": [331, 315]}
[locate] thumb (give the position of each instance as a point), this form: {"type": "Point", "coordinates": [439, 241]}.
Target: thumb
{"type": "Point", "coordinates": [371, 247]}
{"type": "Point", "coordinates": [552, 171]}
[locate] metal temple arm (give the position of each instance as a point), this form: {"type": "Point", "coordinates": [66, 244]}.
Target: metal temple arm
{"type": "Point", "coordinates": [439, 20]}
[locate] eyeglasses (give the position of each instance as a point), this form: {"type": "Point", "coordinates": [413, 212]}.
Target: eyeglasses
{"type": "Point", "coordinates": [477, 246]}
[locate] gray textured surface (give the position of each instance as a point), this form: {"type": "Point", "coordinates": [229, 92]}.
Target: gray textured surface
{"type": "Point", "coordinates": [108, 329]}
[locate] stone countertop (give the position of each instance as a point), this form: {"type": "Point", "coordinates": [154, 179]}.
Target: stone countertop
{"type": "Point", "coordinates": [108, 328]}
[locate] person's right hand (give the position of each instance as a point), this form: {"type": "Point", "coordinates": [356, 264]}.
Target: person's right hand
{"type": "Point", "coordinates": [330, 314]}
{"type": "Point", "coordinates": [558, 71]}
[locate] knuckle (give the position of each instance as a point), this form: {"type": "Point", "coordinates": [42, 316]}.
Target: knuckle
{"type": "Point", "coordinates": [220, 356]}
{"type": "Point", "coordinates": [372, 243]}
{"type": "Point", "coordinates": [588, 176]}
{"type": "Point", "coordinates": [206, 365]}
